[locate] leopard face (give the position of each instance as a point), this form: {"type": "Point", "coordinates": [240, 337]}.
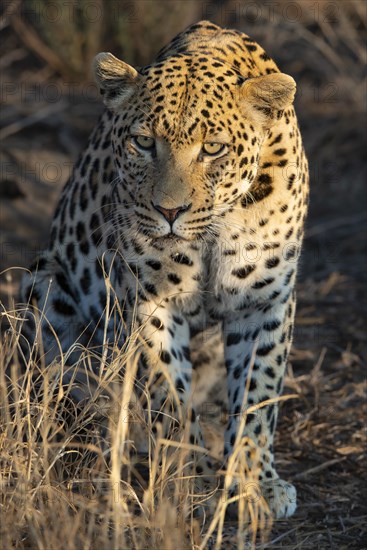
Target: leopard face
{"type": "Point", "coordinates": [187, 133]}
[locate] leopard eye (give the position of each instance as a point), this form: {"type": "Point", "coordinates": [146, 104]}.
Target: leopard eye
{"type": "Point", "coordinates": [213, 148]}
{"type": "Point", "coordinates": [144, 142]}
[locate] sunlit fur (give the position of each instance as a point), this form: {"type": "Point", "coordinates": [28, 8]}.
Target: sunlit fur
{"type": "Point", "coordinates": [188, 240]}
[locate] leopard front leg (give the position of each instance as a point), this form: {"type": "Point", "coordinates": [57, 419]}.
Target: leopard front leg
{"type": "Point", "coordinates": [256, 350]}
{"type": "Point", "coordinates": [165, 371]}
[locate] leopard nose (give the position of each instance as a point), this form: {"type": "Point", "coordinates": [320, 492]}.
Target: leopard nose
{"type": "Point", "coordinates": [171, 214]}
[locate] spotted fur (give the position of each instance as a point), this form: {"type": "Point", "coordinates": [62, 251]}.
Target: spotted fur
{"type": "Point", "coordinates": [190, 199]}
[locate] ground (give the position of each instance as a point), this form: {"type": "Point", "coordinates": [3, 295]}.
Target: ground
{"type": "Point", "coordinates": [321, 440]}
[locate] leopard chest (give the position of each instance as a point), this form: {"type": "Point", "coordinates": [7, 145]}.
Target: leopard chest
{"type": "Point", "coordinates": [246, 272]}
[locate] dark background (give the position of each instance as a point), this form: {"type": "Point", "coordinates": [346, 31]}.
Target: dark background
{"type": "Point", "coordinates": [49, 107]}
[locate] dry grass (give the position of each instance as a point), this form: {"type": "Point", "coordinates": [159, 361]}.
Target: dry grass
{"type": "Point", "coordinates": [70, 476]}
{"type": "Point", "coordinates": [71, 472]}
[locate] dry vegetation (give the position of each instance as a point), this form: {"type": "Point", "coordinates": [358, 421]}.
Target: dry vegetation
{"type": "Point", "coordinates": [60, 487]}
{"type": "Point", "coordinates": [62, 464]}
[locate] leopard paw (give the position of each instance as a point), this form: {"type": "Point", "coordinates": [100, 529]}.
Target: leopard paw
{"type": "Point", "coordinates": [281, 497]}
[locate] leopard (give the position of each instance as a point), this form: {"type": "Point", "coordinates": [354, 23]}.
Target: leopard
{"type": "Point", "coordinates": [183, 221]}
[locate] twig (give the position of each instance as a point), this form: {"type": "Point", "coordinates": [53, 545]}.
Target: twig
{"type": "Point", "coordinates": [30, 38]}
{"type": "Point", "coordinates": [280, 537]}
{"type": "Point", "coordinates": [32, 119]}
{"type": "Point", "coordinates": [333, 224]}
{"type": "Point", "coordinates": [10, 9]}
{"type": "Point", "coordinates": [320, 467]}
{"type": "Point", "coordinates": [12, 56]}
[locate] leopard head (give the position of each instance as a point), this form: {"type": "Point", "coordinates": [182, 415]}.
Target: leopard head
{"type": "Point", "coordinates": [187, 134]}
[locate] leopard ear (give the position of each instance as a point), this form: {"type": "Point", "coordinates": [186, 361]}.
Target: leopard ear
{"type": "Point", "coordinates": [268, 96]}
{"type": "Point", "coordinates": [117, 80]}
